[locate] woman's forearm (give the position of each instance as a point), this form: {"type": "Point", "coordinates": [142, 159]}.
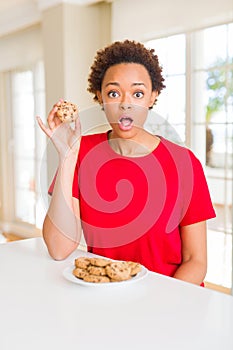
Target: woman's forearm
{"type": "Point", "coordinates": [62, 229]}
{"type": "Point", "coordinates": [194, 253]}
{"type": "Point", "coordinates": [191, 271]}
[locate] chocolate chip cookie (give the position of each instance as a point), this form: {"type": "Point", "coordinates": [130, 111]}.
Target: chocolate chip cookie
{"type": "Point", "coordinates": [67, 112]}
{"type": "Point", "coordinates": [118, 271]}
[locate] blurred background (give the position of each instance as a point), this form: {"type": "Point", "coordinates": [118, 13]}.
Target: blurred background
{"type": "Point", "coordinates": [46, 49]}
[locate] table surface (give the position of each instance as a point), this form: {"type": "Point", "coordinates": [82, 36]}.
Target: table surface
{"type": "Point", "coordinates": [40, 309]}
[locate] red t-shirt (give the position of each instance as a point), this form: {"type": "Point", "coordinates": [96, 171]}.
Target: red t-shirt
{"type": "Point", "coordinates": [132, 208]}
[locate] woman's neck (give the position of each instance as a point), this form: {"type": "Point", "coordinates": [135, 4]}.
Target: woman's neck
{"type": "Point", "coordinates": [134, 147]}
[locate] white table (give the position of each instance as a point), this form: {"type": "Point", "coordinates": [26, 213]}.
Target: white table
{"type": "Point", "coordinates": [40, 309]}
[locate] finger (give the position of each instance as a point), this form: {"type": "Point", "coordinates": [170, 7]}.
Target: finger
{"type": "Point", "coordinates": [57, 120]}
{"type": "Point", "coordinates": [53, 120]}
{"type": "Point", "coordinates": [43, 127]}
{"type": "Point", "coordinates": [51, 117]}
{"type": "Point", "coordinates": [59, 102]}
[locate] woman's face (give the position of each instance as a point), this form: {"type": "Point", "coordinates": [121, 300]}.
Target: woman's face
{"type": "Point", "coordinates": [126, 95]}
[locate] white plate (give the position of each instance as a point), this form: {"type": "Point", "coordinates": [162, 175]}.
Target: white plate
{"type": "Point", "coordinates": [67, 273]}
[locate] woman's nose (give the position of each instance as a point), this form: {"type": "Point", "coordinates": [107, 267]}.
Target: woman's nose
{"type": "Point", "coordinates": [125, 103]}
{"type": "Point", "coordinates": [125, 106]}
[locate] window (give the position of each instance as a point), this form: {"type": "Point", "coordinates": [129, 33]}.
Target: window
{"type": "Point", "coordinates": [171, 108]}
{"type": "Point", "coordinates": [198, 104]}
{"type": "Point", "coordinates": [27, 93]}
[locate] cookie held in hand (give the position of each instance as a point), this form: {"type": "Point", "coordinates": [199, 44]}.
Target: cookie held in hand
{"type": "Point", "coordinates": [67, 112]}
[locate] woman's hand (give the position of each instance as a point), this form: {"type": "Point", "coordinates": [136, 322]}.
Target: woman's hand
{"type": "Point", "coordinates": [64, 138]}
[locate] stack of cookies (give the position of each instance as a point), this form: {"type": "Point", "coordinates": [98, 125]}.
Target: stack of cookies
{"type": "Point", "coordinates": [100, 270]}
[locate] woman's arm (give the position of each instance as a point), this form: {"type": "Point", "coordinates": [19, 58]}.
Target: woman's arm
{"type": "Point", "coordinates": [194, 253]}
{"type": "Point", "coordinates": [61, 228]}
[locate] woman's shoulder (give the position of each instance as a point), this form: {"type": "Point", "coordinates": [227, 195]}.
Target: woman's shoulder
{"type": "Point", "coordinates": [94, 139]}
{"type": "Point", "coordinates": [89, 141]}
{"type": "Point", "coordinates": [180, 153]}
{"type": "Point", "coordinates": [174, 147]}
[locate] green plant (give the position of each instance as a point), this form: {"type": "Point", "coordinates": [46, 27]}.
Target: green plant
{"type": "Point", "coordinates": [219, 84]}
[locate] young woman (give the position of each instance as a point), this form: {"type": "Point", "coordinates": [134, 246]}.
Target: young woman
{"type": "Point", "coordinates": [135, 195]}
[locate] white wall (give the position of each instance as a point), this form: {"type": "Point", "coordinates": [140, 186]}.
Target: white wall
{"type": "Point", "coordinates": [71, 36]}
{"type": "Point", "coordinates": [148, 19]}
{"type": "Point", "coordinates": [21, 48]}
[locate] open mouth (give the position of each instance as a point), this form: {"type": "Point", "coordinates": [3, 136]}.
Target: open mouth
{"type": "Point", "coordinates": [125, 123]}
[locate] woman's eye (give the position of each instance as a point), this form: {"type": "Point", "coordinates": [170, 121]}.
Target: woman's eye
{"type": "Point", "coordinates": [113, 94]}
{"type": "Point", "coordinates": [139, 94]}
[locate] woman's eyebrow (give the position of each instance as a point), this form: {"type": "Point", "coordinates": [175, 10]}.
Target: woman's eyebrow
{"type": "Point", "coordinates": [136, 84]}
{"type": "Point", "coordinates": [117, 84]}
{"type": "Point", "coordinates": [112, 83]}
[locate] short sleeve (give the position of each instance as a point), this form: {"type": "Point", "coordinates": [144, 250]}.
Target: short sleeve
{"type": "Point", "coordinates": [75, 188]}
{"type": "Point", "coordinates": [200, 207]}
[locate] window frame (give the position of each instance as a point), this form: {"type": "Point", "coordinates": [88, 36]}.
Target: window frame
{"type": "Point", "coordinates": [190, 112]}
{"type": "Point", "coordinates": [10, 220]}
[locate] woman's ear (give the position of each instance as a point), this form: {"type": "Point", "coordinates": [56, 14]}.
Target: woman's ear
{"type": "Point", "coordinates": [154, 95]}
{"type": "Point", "coordinates": [99, 96]}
